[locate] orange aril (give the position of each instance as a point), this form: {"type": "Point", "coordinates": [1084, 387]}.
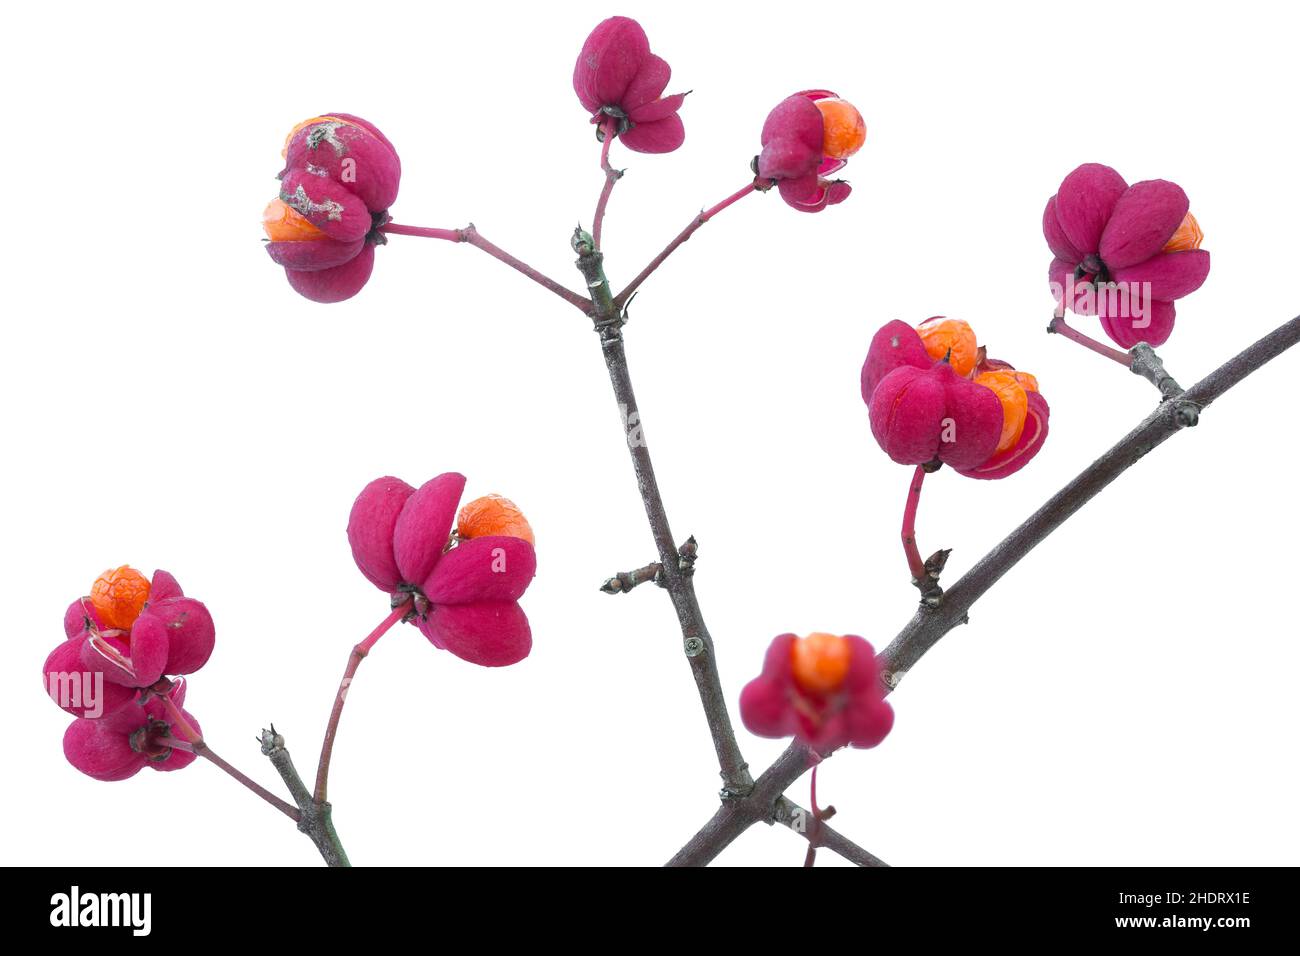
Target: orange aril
{"type": "Point", "coordinates": [1187, 236]}
{"type": "Point", "coordinates": [820, 662]}
{"type": "Point", "coordinates": [119, 595]}
{"type": "Point", "coordinates": [492, 515]}
{"type": "Point", "coordinates": [843, 129]}
{"type": "Point", "coordinates": [1008, 386]}
{"type": "Point", "coordinates": [940, 335]}
{"type": "Point", "coordinates": [1028, 382]}
{"type": "Point", "coordinates": [283, 223]}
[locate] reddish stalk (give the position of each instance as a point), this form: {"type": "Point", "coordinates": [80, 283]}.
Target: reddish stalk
{"type": "Point", "coordinates": [621, 299]}
{"type": "Point", "coordinates": [1074, 335]}
{"type": "Point", "coordinates": [914, 562]}
{"type": "Point", "coordinates": [1061, 327]}
{"type": "Point", "coordinates": [472, 236]}
{"type": "Point", "coordinates": [354, 661]}
{"type": "Point", "coordinates": [609, 127]}
{"type": "Point", "coordinates": [426, 232]}
{"type": "Point", "coordinates": [198, 746]}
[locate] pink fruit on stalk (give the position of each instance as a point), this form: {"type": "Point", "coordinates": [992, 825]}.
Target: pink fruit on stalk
{"type": "Point", "coordinates": [464, 593]}
{"type": "Point", "coordinates": [824, 689]}
{"type": "Point", "coordinates": [805, 138]}
{"type": "Point", "coordinates": [617, 76]}
{"type": "Point", "coordinates": [137, 735]}
{"type": "Point", "coordinates": [125, 636]}
{"type": "Point", "coordinates": [986, 423]}
{"type": "Point", "coordinates": [340, 177]}
{"type": "Point", "coordinates": [1123, 253]}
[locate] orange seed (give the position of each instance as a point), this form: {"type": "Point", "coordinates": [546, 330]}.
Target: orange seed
{"type": "Point", "coordinates": [1187, 236]}
{"type": "Point", "coordinates": [843, 129]}
{"type": "Point", "coordinates": [939, 335]}
{"type": "Point", "coordinates": [283, 223]}
{"type": "Point", "coordinates": [820, 662]}
{"type": "Point", "coordinates": [492, 515]}
{"type": "Point", "coordinates": [1008, 386]}
{"type": "Point", "coordinates": [1028, 382]}
{"type": "Point", "coordinates": [119, 595]}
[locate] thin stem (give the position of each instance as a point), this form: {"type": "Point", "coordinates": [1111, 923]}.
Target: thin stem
{"type": "Point", "coordinates": [696, 641]}
{"type": "Point", "coordinates": [677, 565]}
{"type": "Point", "coordinates": [811, 857]}
{"type": "Point", "coordinates": [677, 578]}
{"type": "Point", "coordinates": [914, 562]}
{"type": "Point", "coordinates": [426, 232]}
{"type": "Point", "coordinates": [925, 574]}
{"type": "Point", "coordinates": [789, 814]}
{"type": "Point", "coordinates": [354, 661]}
{"type": "Point", "coordinates": [203, 750]}
{"type": "Point", "coordinates": [757, 185]}
{"type": "Point", "coordinates": [316, 818]}
{"type": "Point", "coordinates": [929, 624]}
{"type": "Point", "coordinates": [472, 236]}
{"type": "Point", "coordinates": [1146, 363]}
{"type": "Point", "coordinates": [734, 817]}
{"type": "Point", "coordinates": [609, 127]}
{"type": "Point", "coordinates": [579, 302]}
{"type": "Point", "coordinates": [1141, 359]}
{"type": "Point", "coordinates": [625, 581]}
{"type": "Point", "coordinates": [1061, 327]}
{"type": "Point", "coordinates": [199, 747]}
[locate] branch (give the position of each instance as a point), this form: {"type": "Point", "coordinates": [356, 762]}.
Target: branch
{"type": "Point", "coordinates": [1147, 363]}
{"type": "Point", "coordinates": [677, 581]}
{"type": "Point", "coordinates": [756, 186]}
{"type": "Point", "coordinates": [315, 819]}
{"type": "Point", "coordinates": [625, 581]}
{"type": "Point", "coordinates": [736, 816]}
{"type": "Point", "coordinates": [193, 742]}
{"type": "Point", "coordinates": [201, 749]}
{"type": "Point", "coordinates": [766, 804]}
{"type": "Point", "coordinates": [1141, 359]}
{"type": "Point", "coordinates": [790, 814]}
{"type": "Point", "coordinates": [312, 816]}
{"type": "Point", "coordinates": [472, 236]}
{"type": "Point", "coordinates": [676, 566]}
{"type": "Point", "coordinates": [929, 624]}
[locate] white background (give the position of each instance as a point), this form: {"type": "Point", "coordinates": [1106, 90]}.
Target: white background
{"type": "Point", "coordinates": [1125, 696]}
